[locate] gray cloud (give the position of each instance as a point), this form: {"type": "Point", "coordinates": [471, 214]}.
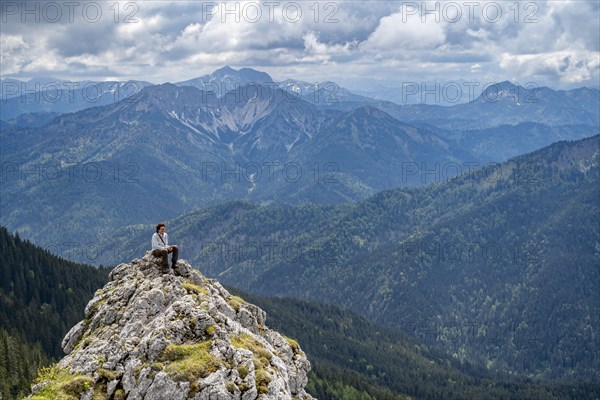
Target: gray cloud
{"type": "Point", "coordinates": [553, 42]}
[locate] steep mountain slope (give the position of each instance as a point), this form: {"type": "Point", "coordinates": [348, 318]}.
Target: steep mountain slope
{"type": "Point", "coordinates": [170, 150]}
{"type": "Point", "coordinates": [369, 144]}
{"type": "Point", "coordinates": [19, 362]}
{"type": "Point", "coordinates": [351, 356]}
{"type": "Point", "coordinates": [488, 252]}
{"type": "Point", "coordinates": [341, 343]}
{"type": "Point", "coordinates": [38, 288]}
{"type": "Point", "coordinates": [483, 265]}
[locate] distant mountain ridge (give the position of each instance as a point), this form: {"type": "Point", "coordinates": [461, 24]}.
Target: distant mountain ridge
{"type": "Point", "coordinates": [62, 96]}
{"type": "Point", "coordinates": [507, 104]}
{"type": "Point", "coordinates": [499, 103]}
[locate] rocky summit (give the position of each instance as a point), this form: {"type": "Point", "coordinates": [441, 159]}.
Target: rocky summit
{"type": "Point", "coordinates": [154, 336]}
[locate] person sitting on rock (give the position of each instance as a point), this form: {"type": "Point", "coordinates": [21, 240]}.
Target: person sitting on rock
{"type": "Point", "coordinates": [161, 248]}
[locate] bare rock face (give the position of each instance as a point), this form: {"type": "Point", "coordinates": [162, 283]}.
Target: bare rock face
{"type": "Point", "coordinates": [154, 336]}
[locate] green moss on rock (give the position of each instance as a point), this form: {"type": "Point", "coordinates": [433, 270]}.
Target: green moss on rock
{"type": "Point", "coordinates": [231, 387]}
{"type": "Point", "coordinates": [60, 384]}
{"type": "Point", "coordinates": [209, 330]}
{"type": "Point", "coordinates": [262, 381]}
{"type": "Point", "coordinates": [100, 392]}
{"type": "Point", "coordinates": [192, 288]}
{"type": "Point", "coordinates": [261, 358]}
{"type": "Point", "coordinates": [293, 344]}
{"type": "Point", "coordinates": [243, 371]}
{"type": "Point", "coordinates": [107, 374]}
{"type": "Point", "coordinates": [119, 395]}
{"type": "Point", "coordinates": [190, 362]}
{"type": "Point", "coordinates": [235, 302]}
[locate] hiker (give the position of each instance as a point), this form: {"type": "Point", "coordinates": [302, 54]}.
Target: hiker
{"type": "Point", "coordinates": [161, 248]}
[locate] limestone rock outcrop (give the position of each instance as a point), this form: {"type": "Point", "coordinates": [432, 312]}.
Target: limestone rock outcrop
{"type": "Point", "coordinates": [154, 336]}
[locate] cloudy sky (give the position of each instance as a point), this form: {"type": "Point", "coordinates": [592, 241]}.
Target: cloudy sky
{"type": "Point", "coordinates": [356, 43]}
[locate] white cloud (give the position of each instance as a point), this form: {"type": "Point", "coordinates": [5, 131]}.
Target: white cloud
{"type": "Point", "coordinates": [312, 45]}
{"type": "Point", "coordinates": [403, 30]}
{"type": "Point", "coordinates": [567, 66]}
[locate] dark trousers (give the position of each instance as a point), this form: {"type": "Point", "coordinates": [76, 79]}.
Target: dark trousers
{"type": "Point", "coordinates": [164, 254]}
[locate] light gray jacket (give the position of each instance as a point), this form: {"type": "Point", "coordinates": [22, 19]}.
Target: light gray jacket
{"type": "Point", "coordinates": [158, 244]}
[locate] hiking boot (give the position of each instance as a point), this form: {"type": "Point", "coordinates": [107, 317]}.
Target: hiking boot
{"type": "Point", "coordinates": [176, 270]}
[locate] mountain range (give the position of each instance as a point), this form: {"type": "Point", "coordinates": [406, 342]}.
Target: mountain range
{"type": "Point", "coordinates": [472, 229]}
{"type": "Point", "coordinates": [499, 103]}
{"type": "Point", "coordinates": [227, 79]}
{"type": "Point", "coordinates": [505, 103]}
{"type": "Point", "coordinates": [172, 149]}
{"type": "Point", "coordinates": [351, 357]}
{"type": "Point", "coordinates": [58, 96]}
{"type": "Point", "coordinates": [497, 266]}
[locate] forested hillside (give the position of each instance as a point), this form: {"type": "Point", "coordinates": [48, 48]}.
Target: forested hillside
{"type": "Point", "coordinates": [498, 266]}
{"type": "Point", "coordinates": [352, 358]}
{"type": "Point", "coordinates": [41, 297]}
{"type": "Point", "coordinates": [19, 362]}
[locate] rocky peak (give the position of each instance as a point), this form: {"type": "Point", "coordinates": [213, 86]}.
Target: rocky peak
{"type": "Point", "coordinates": [153, 336]}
